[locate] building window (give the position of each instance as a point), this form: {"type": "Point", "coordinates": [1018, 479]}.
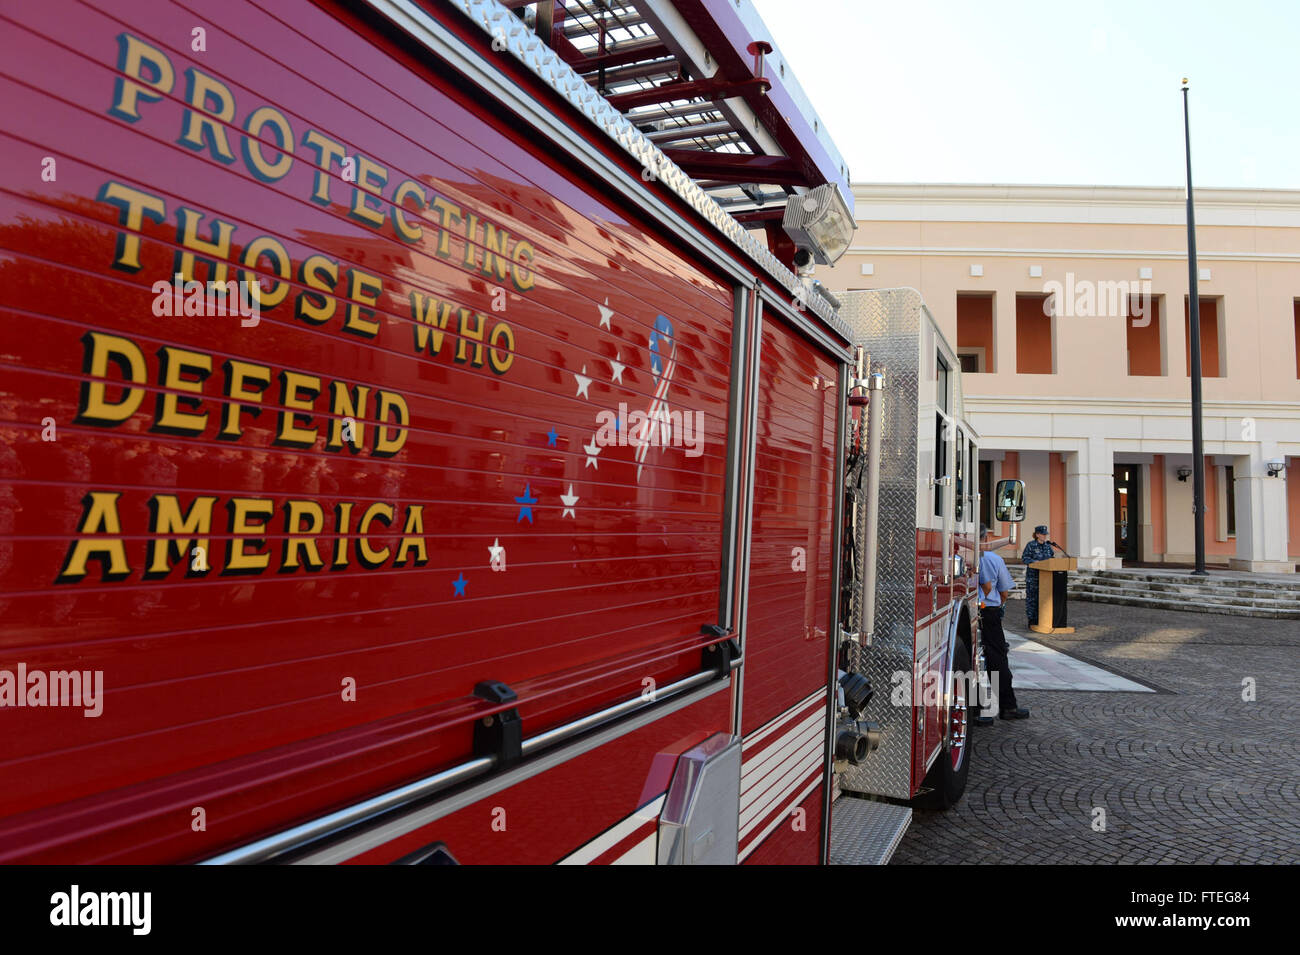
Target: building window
{"type": "Point", "coordinates": [975, 331]}
{"type": "Point", "coordinates": [1212, 351]}
{"type": "Point", "coordinates": [1146, 336]}
{"type": "Point", "coordinates": [986, 493]}
{"type": "Point", "coordinates": [1035, 351]}
{"type": "Point", "coordinates": [1296, 307]}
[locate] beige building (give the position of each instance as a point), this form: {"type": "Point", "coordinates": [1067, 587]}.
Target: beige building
{"type": "Point", "coordinates": [1068, 308]}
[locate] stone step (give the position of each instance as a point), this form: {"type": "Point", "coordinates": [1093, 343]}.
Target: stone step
{"type": "Point", "coordinates": [1230, 583]}
{"type": "Point", "coordinates": [1236, 596]}
{"type": "Point", "coordinates": [1186, 587]}
{"type": "Point", "coordinates": [1217, 576]}
{"type": "Point", "coordinates": [1212, 580]}
{"type": "Point", "coordinates": [1183, 584]}
{"type": "Point", "coordinates": [1189, 586]}
{"type": "Point", "coordinates": [1189, 607]}
{"type": "Point", "coordinates": [1283, 598]}
{"type": "Point", "coordinates": [1206, 599]}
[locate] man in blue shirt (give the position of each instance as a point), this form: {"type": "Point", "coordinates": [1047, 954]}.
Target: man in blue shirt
{"type": "Point", "coordinates": [995, 584]}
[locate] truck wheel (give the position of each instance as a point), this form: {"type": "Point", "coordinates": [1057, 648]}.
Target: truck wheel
{"type": "Point", "coordinates": [946, 780]}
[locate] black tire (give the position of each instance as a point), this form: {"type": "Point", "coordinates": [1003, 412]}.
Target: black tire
{"type": "Point", "coordinates": [946, 782]}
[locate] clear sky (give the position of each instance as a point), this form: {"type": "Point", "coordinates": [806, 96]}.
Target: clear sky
{"type": "Point", "coordinates": [1011, 91]}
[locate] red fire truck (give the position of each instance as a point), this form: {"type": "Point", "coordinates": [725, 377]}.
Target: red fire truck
{"type": "Point", "coordinates": [423, 442]}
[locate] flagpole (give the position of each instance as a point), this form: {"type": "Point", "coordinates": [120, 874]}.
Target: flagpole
{"type": "Point", "coordinates": [1194, 330]}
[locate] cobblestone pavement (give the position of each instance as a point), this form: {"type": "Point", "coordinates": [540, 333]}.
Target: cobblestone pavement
{"type": "Point", "coordinates": [1191, 774]}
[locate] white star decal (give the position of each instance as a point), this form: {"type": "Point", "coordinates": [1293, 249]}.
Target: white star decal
{"type": "Point", "coordinates": [605, 314]}
{"type": "Point", "coordinates": [592, 450]}
{"type": "Point", "coordinates": [569, 500]}
{"type": "Point", "coordinates": [497, 555]}
{"type": "Point", "coordinates": [583, 384]}
{"type": "Point", "coordinates": [618, 368]}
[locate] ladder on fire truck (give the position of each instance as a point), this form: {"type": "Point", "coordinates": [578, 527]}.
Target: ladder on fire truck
{"type": "Point", "coordinates": [725, 109]}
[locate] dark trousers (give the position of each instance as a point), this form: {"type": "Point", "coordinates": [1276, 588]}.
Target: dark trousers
{"type": "Point", "coordinates": [995, 655]}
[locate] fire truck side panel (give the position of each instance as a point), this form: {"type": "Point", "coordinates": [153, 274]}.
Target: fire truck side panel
{"type": "Point", "coordinates": [555, 815]}
{"type": "Point", "coordinates": [783, 847]}
{"type": "Point", "coordinates": [931, 628]}
{"type": "Point", "coordinates": [787, 642]}
{"type": "Point", "coordinates": [944, 451]}
{"type": "Point", "coordinates": [933, 595]}
{"type": "Point", "coordinates": [468, 307]}
{"type": "Point", "coordinates": [939, 423]}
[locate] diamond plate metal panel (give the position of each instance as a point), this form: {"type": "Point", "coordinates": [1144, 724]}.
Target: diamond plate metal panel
{"type": "Point", "coordinates": [864, 832]}
{"type": "Point", "coordinates": [887, 323]}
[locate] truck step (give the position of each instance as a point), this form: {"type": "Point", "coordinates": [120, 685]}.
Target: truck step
{"type": "Point", "coordinates": [866, 832]}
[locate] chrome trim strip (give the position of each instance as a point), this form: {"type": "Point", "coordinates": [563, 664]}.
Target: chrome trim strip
{"type": "Point", "coordinates": [510, 34]}
{"type": "Point", "coordinates": [735, 432]}
{"type": "Point", "coordinates": [753, 375]}
{"type": "Point", "coordinates": [541, 741]}
{"type": "Point", "coordinates": [271, 847]}
{"type": "Point", "coordinates": [267, 849]}
{"type": "Point", "coordinates": [394, 828]}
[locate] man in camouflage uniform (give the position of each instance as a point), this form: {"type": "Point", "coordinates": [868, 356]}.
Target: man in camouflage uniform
{"type": "Point", "coordinates": [1036, 550]}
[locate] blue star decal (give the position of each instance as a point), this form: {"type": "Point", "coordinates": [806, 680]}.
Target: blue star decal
{"type": "Point", "coordinates": [459, 583]}
{"type": "Point", "coordinates": [526, 502]}
{"type": "Point", "coordinates": [550, 438]}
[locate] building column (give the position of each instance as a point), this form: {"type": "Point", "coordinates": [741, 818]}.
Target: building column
{"type": "Point", "coordinates": [1176, 337]}
{"type": "Point", "coordinates": [1146, 523]}
{"type": "Point", "coordinates": [1004, 330]}
{"type": "Point", "coordinates": [1159, 475]}
{"type": "Point", "coordinates": [1261, 517]}
{"type": "Point", "coordinates": [1090, 505]}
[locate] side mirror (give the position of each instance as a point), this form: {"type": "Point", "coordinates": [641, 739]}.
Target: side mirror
{"type": "Point", "coordinates": [1010, 498]}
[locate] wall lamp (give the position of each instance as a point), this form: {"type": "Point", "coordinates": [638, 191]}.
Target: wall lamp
{"type": "Point", "coordinates": [1275, 467]}
{"type": "Point", "coordinates": [1184, 472]}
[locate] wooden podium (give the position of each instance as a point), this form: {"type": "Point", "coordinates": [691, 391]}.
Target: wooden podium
{"type": "Point", "coordinates": [1052, 582]}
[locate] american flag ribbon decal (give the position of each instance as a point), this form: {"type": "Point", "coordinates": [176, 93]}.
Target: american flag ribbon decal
{"type": "Point", "coordinates": [663, 362]}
